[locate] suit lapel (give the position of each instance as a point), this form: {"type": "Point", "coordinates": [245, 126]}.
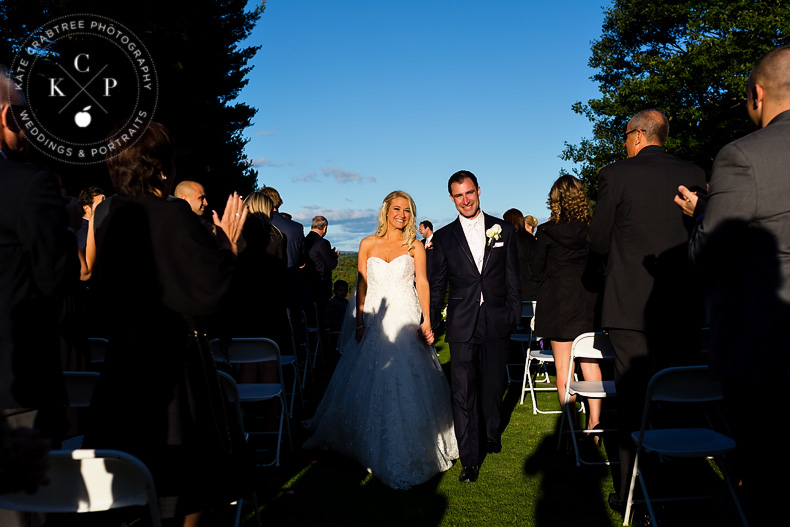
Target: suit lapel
{"type": "Point", "coordinates": [489, 222]}
{"type": "Point", "coordinates": [458, 231]}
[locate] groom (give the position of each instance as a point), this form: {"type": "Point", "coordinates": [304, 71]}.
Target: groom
{"type": "Point", "coordinates": [477, 253]}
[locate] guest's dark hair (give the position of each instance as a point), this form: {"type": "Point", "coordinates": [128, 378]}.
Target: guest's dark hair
{"type": "Point", "coordinates": [459, 177]}
{"type": "Point", "coordinates": [273, 195]}
{"type": "Point", "coordinates": [144, 167]}
{"type": "Point", "coordinates": [86, 196]}
{"type": "Point", "coordinates": [427, 224]}
{"type": "Point", "coordinates": [515, 217]}
{"type": "Point", "coordinates": [339, 284]}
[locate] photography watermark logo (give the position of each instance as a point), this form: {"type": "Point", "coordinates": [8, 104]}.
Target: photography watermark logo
{"type": "Point", "coordinates": [90, 85]}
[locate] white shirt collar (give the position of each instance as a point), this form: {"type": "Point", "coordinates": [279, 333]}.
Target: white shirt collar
{"type": "Point", "coordinates": [466, 222]}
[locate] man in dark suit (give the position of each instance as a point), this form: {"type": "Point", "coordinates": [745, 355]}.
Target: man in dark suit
{"type": "Point", "coordinates": [426, 231]}
{"type": "Point", "coordinates": [741, 244]}
{"type": "Point", "coordinates": [477, 254]}
{"type": "Point", "coordinates": [298, 292]}
{"type": "Point", "coordinates": [38, 261]}
{"type": "Point", "coordinates": [646, 243]}
{"type": "Point", "coordinates": [321, 260]}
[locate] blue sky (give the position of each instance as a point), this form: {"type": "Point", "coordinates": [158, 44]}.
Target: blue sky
{"type": "Point", "coordinates": [357, 98]}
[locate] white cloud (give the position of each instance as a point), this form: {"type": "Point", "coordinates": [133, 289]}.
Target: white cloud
{"type": "Point", "coordinates": [342, 175]}
{"type": "Point", "coordinates": [261, 133]}
{"type": "Point", "coordinates": [311, 177]}
{"type": "Point", "coordinates": [265, 162]}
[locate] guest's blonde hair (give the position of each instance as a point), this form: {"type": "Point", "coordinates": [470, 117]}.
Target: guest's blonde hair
{"type": "Point", "coordinates": [410, 231]}
{"type": "Point", "coordinates": [532, 221]}
{"type": "Point", "coordinates": [568, 201]}
{"type": "Point", "coordinates": [259, 203]}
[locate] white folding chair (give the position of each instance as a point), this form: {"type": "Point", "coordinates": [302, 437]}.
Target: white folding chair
{"type": "Point", "coordinates": [689, 384]}
{"type": "Point", "coordinates": [231, 391]}
{"type": "Point", "coordinates": [257, 350]}
{"type": "Point", "coordinates": [594, 346]}
{"type": "Point", "coordinates": [85, 481]}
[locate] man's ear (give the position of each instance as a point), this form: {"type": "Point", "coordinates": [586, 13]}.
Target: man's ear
{"type": "Point", "coordinates": [758, 95]}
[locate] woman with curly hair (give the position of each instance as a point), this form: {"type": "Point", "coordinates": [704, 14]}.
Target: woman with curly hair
{"type": "Point", "coordinates": [567, 294]}
{"type": "Point", "coordinates": [388, 403]}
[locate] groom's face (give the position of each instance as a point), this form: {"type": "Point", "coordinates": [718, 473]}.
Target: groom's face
{"type": "Point", "coordinates": [466, 198]}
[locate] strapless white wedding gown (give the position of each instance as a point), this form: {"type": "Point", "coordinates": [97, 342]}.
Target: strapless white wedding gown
{"type": "Point", "coordinates": [388, 403]}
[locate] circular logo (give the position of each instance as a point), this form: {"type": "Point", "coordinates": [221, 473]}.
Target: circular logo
{"type": "Point", "coordinates": [90, 85]}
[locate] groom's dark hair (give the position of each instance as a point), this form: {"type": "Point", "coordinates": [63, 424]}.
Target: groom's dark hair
{"type": "Point", "coordinates": [459, 177]}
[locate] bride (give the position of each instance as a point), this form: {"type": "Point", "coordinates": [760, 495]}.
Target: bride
{"type": "Point", "coordinates": [388, 403]}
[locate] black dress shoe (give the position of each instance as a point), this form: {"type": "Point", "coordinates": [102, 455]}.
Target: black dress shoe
{"type": "Point", "coordinates": [494, 447]}
{"type": "Point", "coordinates": [616, 503]}
{"type": "Point", "coordinates": [468, 475]}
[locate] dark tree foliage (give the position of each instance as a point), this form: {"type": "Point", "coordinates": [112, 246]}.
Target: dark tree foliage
{"type": "Point", "coordinates": [201, 67]}
{"type": "Point", "coordinates": [688, 59]}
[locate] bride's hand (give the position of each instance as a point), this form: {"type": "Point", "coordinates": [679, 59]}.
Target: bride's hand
{"type": "Point", "coordinates": [359, 333]}
{"type": "Point", "coordinates": [427, 333]}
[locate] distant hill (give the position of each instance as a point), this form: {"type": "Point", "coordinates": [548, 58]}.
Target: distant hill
{"type": "Point", "coordinates": [346, 269]}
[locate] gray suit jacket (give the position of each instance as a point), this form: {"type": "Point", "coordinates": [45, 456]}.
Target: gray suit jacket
{"type": "Point", "coordinates": [742, 243]}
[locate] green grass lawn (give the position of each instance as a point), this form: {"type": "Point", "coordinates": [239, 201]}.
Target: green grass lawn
{"type": "Point", "coordinates": [530, 483]}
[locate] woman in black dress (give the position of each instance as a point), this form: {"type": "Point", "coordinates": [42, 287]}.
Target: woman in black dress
{"type": "Point", "coordinates": [158, 274]}
{"type": "Point", "coordinates": [566, 298]}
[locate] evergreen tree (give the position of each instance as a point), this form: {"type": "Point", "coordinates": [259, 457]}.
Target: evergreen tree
{"type": "Point", "coordinates": [688, 59]}
{"type": "Point", "coordinates": [201, 66]}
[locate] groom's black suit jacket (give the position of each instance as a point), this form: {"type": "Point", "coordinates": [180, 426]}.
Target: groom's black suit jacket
{"type": "Point", "coordinates": [498, 281]}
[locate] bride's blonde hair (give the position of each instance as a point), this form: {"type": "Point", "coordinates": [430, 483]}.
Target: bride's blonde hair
{"type": "Point", "coordinates": [410, 231]}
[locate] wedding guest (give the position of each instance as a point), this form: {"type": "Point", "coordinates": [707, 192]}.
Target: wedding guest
{"type": "Point", "coordinates": [260, 274]}
{"type": "Point", "coordinates": [645, 238]}
{"type": "Point", "coordinates": [39, 262]}
{"type": "Point", "coordinates": [747, 208]}
{"type": "Point", "coordinates": [530, 223]}
{"type": "Point", "coordinates": [426, 231]}
{"type": "Point", "coordinates": [567, 295]}
{"type": "Point", "coordinates": [321, 260]}
{"type": "Point", "coordinates": [88, 199]}
{"type": "Point", "coordinates": [193, 193]}
{"type": "Point", "coordinates": [484, 307]}
{"type": "Point", "coordinates": [526, 246]}
{"type": "Point", "coordinates": [159, 396]}
{"type": "Point", "coordinates": [297, 291]}
{"type": "Point", "coordinates": [337, 305]}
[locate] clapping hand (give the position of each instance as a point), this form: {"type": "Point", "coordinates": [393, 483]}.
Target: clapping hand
{"type": "Point", "coordinates": [229, 228]}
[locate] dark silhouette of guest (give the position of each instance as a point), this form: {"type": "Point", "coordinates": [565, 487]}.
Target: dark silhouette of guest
{"type": "Point", "coordinates": [158, 274]}
{"type": "Point", "coordinates": [526, 246]}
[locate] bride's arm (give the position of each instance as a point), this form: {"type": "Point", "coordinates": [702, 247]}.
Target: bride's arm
{"type": "Point", "coordinates": [423, 291]}
{"type": "Point", "coordinates": [362, 286]}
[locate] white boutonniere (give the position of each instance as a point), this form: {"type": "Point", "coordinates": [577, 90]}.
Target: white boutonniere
{"type": "Point", "coordinates": [428, 244]}
{"type": "Point", "coordinates": [494, 233]}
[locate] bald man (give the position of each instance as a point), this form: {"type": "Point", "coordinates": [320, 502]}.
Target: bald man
{"type": "Point", "coordinates": [193, 193]}
{"type": "Point", "coordinates": [742, 243]}
{"type": "Point", "coordinates": [645, 239]}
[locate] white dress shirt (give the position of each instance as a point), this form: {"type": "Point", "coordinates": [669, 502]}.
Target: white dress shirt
{"type": "Point", "coordinates": [475, 232]}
